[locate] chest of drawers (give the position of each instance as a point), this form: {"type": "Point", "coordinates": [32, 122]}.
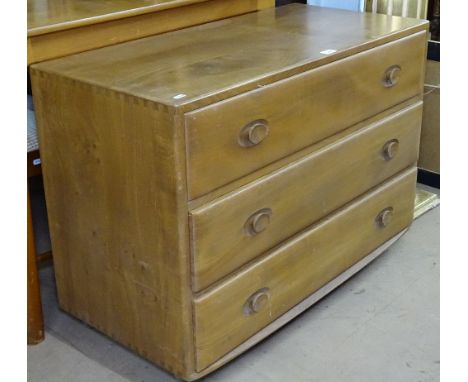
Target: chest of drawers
{"type": "Point", "coordinates": [205, 186]}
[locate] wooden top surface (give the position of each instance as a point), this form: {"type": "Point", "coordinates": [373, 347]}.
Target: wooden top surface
{"type": "Point", "coordinates": [45, 16]}
{"type": "Point", "coordinates": [197, 66]}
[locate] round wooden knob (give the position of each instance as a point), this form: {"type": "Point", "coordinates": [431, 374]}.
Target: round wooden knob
{"type": "Point", "coordinates": [258, 301]}
{"type": "Point", "coordinates": [392, 76]}
{"type": "Point", "coordinates": [254, 133]}
{"type": "Point", "coordinates": [390, 149]}
{"type": "Point", "coordinates": [384, 218]}
{"type": "Point", "coordinates": [258, 222]}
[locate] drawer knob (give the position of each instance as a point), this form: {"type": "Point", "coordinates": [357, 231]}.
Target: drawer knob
{"type": "Point", "coordinates": [390, 149]}
{"type": "Point", "coordinates": [384, 218]}
{"type": "Point", "coordinates": [257, 302]}
{"type": "Point", "coordinates": [392, 75]}
{"type": "Point", "coordinates": [254, 133]}
{"type": "Point", "coordinates": [258, 222]}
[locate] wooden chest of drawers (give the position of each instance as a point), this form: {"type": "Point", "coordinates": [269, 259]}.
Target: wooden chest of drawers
{"type": "Point", "coordinates": [205, 186]}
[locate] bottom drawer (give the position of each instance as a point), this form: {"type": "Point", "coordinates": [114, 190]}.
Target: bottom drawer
{"type": "Point", "coordinates": [233, 310]}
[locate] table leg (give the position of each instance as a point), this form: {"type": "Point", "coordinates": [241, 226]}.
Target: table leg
{"type": "Point", "coordinates": [35, 319]}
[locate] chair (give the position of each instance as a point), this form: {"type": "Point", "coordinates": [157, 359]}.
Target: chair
{"type": "Point", "coordinates": [35, 318]}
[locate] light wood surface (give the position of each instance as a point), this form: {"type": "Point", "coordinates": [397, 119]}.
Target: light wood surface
{"type": "Point", "coordinates": [211, 62]}
{"type": "Point", "coordinates": [298, 309]}
{"type": "Point", "coordinates": [115, 151]}
{"type": "Point", "coordinates": [58, 28]}
{"type": "Point", "coordinates": [330, 98]}
{"type": "Point", "coordinates": [46, 16]}
{"type": "Point", "coordinates": [274, 166]}
{"type": "Point", "coordinates": [298, 268]}
{"type": "Point", "coordinates": [117, 216]}
{"type": "Point", "coordinates": [299, 194]}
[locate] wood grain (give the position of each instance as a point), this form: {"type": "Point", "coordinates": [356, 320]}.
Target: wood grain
{"type": "Point", "coordinates": [299, 194]}
{"type": "Point", "coordinates": [299, 267]}
{"type": "Point", "coordinates": [298, 309]}
{"type": "Point", "coordinates": [114, 126]}
{"type": "Point", "coordinates": [114, 180]}
{"type": "Point", "coordinates": [46, 16]}
{"type": "Point", "coordinates": [61, 28]}
{"type": "Point", "coordinates": [329, 98]}
{"type": "Point", "coordinates": [211, 62]}
{"type": "Point", "coordinates": [274, 166]}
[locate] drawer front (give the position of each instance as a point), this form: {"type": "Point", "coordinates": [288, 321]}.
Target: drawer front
{"type": "Point", "coordinates": [234, 310]}
{"type": "Point", "coordinates": [233, 229]}
{"type": "Point", "coordinates": [235, 137]}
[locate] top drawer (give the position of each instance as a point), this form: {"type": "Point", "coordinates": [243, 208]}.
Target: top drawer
{"type": "Point", "coordinates": [242, 134]}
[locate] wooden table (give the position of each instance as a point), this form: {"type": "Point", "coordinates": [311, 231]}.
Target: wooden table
{"type": "Point", "coordinates": [58, 28]}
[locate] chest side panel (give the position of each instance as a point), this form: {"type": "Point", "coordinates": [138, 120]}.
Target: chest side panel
{"type": "Point", "coordinates": [114, 178]}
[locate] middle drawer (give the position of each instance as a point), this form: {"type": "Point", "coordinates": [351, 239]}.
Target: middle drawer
{"type": "Point", "coordinates": [232, 230]}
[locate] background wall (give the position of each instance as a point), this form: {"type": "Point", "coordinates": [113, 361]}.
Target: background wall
{"type": "Point", "coordinates": [353, 5]}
